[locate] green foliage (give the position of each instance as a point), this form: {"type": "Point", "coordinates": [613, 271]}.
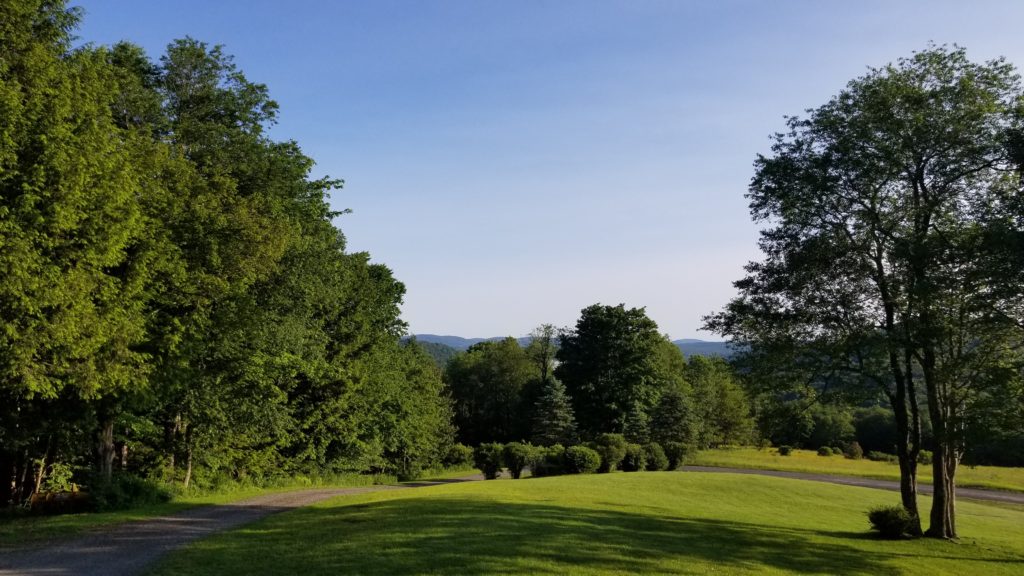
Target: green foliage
{"type": "Point", "coordinates": [824, 451]}
{"type": "Point", "coordinates": [581, 460]}
{"type": "Point", "coordinates": [488, 384]}
{"type": "Point", "coordinates": [516, 456]}
{"type": "Point", "coordinates": [458, 456]}
{"type": "Point", "coordinates": [548, 461]}
{"type": "Point", "coordinates": [875, 456]}
{"type": "Point", "coordinates": [925, 457]}
{"type": "Point", "coordinates": [635, 459]}
{"type": "Point", "coordinates": [891, 522]}
{"type": "Point", "coordinates": [853, 451]}
{"type": "Point", "coordinates": [785, 450]}
{"type": "Point", "coordinates": [611, 448]}
{"type": "Point", "coordinates": [677, 453]}
{"type": "Point", "coordinates": [655, 456]}
{"type": "Point", "coordinates": [674, 419]}
{"type": "Point", "coordinates": [122, 491]}
{"type": "Point", "coordinates": [612, 363]}
{"type": "Point", "coordinates": [553, 420]}
{"type": "Point", "coordinates": [488, 459]}
{"type": "Point", "coordinates": [720, 404]}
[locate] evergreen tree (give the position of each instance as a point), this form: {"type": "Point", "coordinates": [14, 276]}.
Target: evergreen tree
{"type": "Point", "coordinates": [553, 420]}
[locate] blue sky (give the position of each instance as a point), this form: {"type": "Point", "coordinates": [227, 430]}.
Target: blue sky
{"type": "Point", "coordinates": [515, 162]}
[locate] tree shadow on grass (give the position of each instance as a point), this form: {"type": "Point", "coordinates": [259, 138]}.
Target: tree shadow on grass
{"type": "Point", "coordinates": [468, 536]}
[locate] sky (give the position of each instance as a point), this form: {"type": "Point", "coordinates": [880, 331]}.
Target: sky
{"type": "Point", "coordinates": [515, 162]}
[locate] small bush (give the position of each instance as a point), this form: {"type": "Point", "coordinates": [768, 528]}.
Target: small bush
{"type": "Point", "coordinates": [876, 456]}
{"type": "Point", "coordinates": [676, 452]}
{"type": "Point", "coordinates": [458, 456]}
{"type": "Point", "coordinates": [837, 451]}
{"type": "Point", "coordinates": [924, 457]}
{"type": "Point", "coordinates": [635, 459]}
{"type": "Point", "coordinates": [611, 448]}
{"type": "Point", "coordinates": [853, 451]}
{"type": "Point", "coordinates": [891, 522]}
{"type": "Point", "coordinates": [487, 459]}
{"type": "Point", "coordinates": [517, 456]}
{"type": "Point", "coordinates": [785, 450]}
{"type": "Point", "coordinates": [123, 491]}
{"type": "Point", "coordinates": [548, 461]}
{"type": "Point", "coordinates": [581, 460]}
{"type": "Point", "coordinates": [656, 458]}
{"type": "Point", "coordinates": [824, 451]}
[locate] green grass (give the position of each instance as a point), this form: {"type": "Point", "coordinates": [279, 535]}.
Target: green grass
{"type": "Point", "coordinates": [640, 523]}
{"type": "Point", "coordinates": [993, 477]}
{"type": "Point", "coordinates": [25, 530]}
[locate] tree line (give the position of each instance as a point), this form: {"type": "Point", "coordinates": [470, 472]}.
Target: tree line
{"type": "Point", "coordinates": [612, 373]}
{"type": "Point", "coordinates": [175, 299]}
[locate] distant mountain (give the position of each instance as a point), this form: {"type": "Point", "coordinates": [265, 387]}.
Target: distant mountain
{"type": "Point", "coordinates": [460, 343]}
{"type": "Point", "coordinates": [692, 347]}
{"type": "Point", "coordinates": [689, 346]}
{"type": "Point", "coordinates": [441, 353]}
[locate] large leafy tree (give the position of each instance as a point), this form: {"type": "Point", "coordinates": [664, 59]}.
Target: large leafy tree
{"type": "Point", "coordinates": [887, 214]}
{"type": "Point", "coordinates": [615, 364]}
{"type": "Point", "coordinates": [489, 385]}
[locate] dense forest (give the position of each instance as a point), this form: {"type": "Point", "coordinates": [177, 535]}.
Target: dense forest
{"type": "Point", "coordinates": [176, 301]}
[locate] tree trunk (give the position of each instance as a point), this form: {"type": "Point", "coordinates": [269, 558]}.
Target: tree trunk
{"type": "Point", "coordinates": [188, 467]}
{"type": "Point", "coordinates": [105, 451]}
{"type": "Point", "coordinates": [944, 460]}
{"type": "Point", "coordinates": [6, 478]}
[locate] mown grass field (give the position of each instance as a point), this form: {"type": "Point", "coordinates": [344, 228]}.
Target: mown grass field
{"type": "Point", "coordinates": [992, 477]}
{"type": "Point", "coordinates": [638, 523]}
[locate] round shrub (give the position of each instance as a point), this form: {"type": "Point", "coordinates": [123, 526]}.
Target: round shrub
{"type": "Point", "coordinates": [581, 460]}
{"type": "Point", "coordinates": [635, 459]}
{"type": "Point", "coordinates": [548, 461]}
{"type": "Point", "coordinates": [124, 491]}
{"type": "Point", "coordinates": [611, 448]}
{"type": "Point", "coordinates": [824, 451]}
{"type": "Point", "coordinates": [853, 451]}
{"type": "Point", "coordinates": [458, 456]}
{"type": "Point", "coordinates": [876, 456]}
{"type": "Point", "coordinates": [656, 458]}
{"type": "Point", "coordinates": [837, 451]}
{"type": "Point", "coordinates": [487, 459]}
{"type": "Point", "coordinates": [891, 522]}
{"type": "Point", "coordinates": [785, 450]}
{"type": "Point", "coordinates": [517, 456]}
{"type": "Point", "coordinates": [676, 453]}
{"type": "Point", "coordinates": [924, 457]}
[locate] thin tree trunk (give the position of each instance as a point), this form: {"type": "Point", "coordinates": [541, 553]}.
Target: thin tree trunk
{"type": "Point", "coordinates": [105, 451]}
{"type": "Point", "coordinates": [942, 517]}
{"type": "Point", "coordinates": [188, 467]}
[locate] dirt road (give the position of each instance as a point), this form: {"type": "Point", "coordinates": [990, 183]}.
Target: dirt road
{"type": "Point", "coordinates": [127, 549]}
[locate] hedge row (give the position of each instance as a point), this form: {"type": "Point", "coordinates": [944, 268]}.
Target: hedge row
{"type": "Point", "coordinates": [605, 453]}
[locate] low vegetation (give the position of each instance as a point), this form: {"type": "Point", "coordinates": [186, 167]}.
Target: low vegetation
{"type": "Point", "coordinates": [645, 523]}
{"type": "Point", "coordinates": [992, 477]}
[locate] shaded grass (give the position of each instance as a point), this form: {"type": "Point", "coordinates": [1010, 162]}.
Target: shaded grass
{"type": "Point", "coordinates": [992, 477]}
{"type": "Point", "coordinates": [18, 530]}
{"type": "Point", "coordinates": [642, 523]}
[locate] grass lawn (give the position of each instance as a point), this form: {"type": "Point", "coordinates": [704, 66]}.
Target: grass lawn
{"type": "Point", "coordinates": [993, 477]}
{"type": "Point", "coordinates": [638, 523]}
{"type": "Point", "coordinates": [29, 529]}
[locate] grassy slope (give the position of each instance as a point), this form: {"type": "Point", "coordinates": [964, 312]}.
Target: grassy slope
{"type": "Point", "coordinates": [808, 461]}
{"type": "Point", "coordinates": [645, 523]}
{"type": "Point", "coordinates": [28, 530]}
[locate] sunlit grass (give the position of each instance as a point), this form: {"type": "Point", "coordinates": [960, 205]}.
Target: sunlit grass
{"type": "Point", "coordinates": [640, 523]}
{"type": "Point", "coordinates": [994, 477]}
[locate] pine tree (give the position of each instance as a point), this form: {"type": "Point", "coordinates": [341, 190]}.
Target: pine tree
{"type": "Point", "coordinates": [553, 419]}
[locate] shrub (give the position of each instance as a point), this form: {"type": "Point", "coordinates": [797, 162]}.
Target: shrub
{"type": "Point", "coordinates": [517, 456]}
{"type": "Point", "coordinates": [785, 450]}
{"type": "Point", "coordinates": [876, 456]}
{"type": "Point", "coordinates": [891, 522]}
{"type": "Point", "coordinates": [924, 457]}
{"type": "Point", "coordinates": [635, 459]}
{"type": "Point", "coordinates": [124, 491]}
{"type": "Point", "coordinates": [837, 451]}
{"type": "Point", "coordinates": [824, 451]}
{"type": "Point", "coordinates": [676, 453]}
{"type": "Point", "coordinates": [459, 456]}
{"type": "Point", "coordinates": [853, 451]}
{"type": "Point", "coordinates": [548, 461]}
{"type": "Point", "coordinates": [656, 458]}
{"type": "Point", "coordinates": [581, 460]}
{"type": "Point", "coordinates": [611, 448]}
{"type": "Point", "coordinates": [487, 459]}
